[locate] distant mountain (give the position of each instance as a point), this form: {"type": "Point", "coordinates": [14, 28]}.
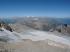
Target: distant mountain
{"type": "Point", "coordinates": [50, 19]}
{"type": "Point", "coordinates": [63, 20]}
{"type": "Point", "coordinates": [40, 23]}
{"type": "Point", "coordinates": [7, 20]}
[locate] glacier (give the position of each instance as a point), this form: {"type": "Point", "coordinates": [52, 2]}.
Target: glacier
{"type": "Point", "coordinates": [34, 35]}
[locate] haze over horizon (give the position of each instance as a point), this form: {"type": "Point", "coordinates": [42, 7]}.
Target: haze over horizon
{"type": "Point", "coordinates": [50, 8]}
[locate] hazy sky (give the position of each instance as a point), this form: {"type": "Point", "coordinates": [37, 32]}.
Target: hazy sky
{"type": "Point", "coordinates": [52, 8]}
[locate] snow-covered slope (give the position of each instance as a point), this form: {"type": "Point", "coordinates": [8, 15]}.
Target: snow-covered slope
{"type": "Point", "coordinates": [34, 35]}
{"type": "Point", "coordinates": [9, 35]}
{"type": "Point", "coordinates": [41, 35]}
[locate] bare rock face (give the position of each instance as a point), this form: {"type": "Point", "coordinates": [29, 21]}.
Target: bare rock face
{"type": "Point", "coordinates": [6, 26]}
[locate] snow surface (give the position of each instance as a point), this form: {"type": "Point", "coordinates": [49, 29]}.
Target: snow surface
{"type": "Point", "coordinates": [34, 35]}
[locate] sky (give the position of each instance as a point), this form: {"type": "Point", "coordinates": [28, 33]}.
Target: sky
{"type": "Point", "coordinates": [50, 8]}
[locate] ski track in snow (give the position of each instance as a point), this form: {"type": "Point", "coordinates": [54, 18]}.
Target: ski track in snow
{"type": "Point", "coordinates": [34, 35]}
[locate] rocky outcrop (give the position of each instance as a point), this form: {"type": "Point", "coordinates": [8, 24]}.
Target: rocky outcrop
{"type": "Point", "coordinates": [6, 26]}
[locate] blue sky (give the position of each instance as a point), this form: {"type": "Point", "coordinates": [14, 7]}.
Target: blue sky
{"type": "Point", "coordinates": [50, 8]}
